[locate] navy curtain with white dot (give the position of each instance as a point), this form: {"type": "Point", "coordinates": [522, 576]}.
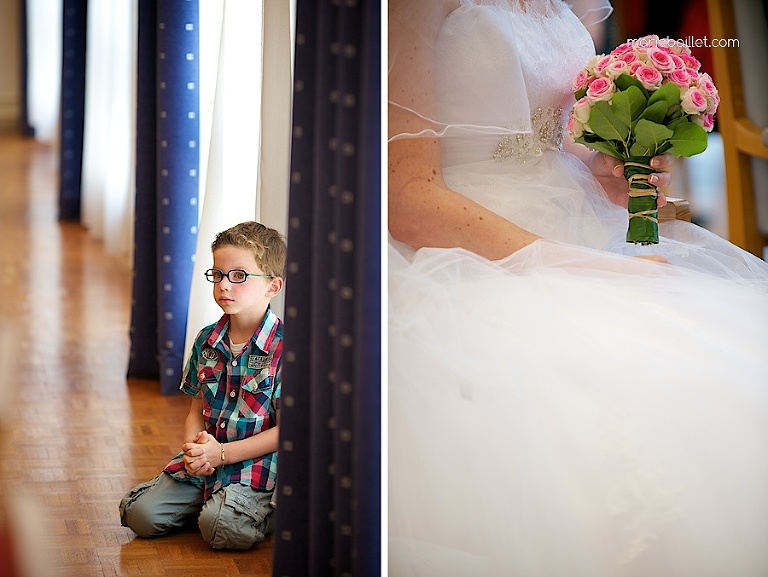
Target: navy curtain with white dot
{"type": "Point", "coordinates": [328, 497]}
{"type": "Point", "coordinates": [74, 18]}
{"type": "Point", "coordinates": [167, 161]}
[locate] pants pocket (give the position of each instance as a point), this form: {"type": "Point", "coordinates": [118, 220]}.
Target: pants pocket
{"type": "Point", "coordinates": [237, 517]}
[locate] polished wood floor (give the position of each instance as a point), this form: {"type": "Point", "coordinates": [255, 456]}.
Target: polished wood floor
{"type": "Point", "coordinates": [75, 434]}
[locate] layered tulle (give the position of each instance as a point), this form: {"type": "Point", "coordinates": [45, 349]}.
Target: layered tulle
{"type": "Point", "coordinates": [568, 412]}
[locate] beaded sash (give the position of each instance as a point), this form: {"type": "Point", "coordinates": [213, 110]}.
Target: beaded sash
{"type": "Point", "coordinates": [547, 133]}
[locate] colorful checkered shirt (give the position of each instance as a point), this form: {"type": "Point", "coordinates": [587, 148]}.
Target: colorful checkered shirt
{"type": "Point", "coordinates": [240, 398]}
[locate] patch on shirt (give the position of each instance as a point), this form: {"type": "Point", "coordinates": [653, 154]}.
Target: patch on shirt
{"type": "Point", "coordinates": [259, 362]}
{"type": "Point", "coordinates": [209, 354]}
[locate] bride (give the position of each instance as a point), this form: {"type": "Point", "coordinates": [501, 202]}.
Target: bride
{"type": "Point", "coordinates": [561, 402]}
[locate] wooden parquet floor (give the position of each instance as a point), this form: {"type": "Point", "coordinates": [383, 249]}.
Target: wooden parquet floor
{"type": "Point", "coordinates": [75, 434]}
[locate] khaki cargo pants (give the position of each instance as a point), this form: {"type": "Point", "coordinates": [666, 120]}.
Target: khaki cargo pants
{"type": "Point", "coordinates": [235, 517]}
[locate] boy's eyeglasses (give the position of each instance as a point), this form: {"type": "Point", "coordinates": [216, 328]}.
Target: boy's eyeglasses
{"type": "Point", "coordinates": [235, 276]}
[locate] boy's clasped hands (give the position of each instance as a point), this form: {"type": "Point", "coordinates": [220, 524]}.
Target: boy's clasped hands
{"type": "Point", "coordinates": [199, 453]}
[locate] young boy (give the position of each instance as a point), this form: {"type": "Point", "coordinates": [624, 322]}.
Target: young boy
{"type": "Point", "coordinates": [226, 472]}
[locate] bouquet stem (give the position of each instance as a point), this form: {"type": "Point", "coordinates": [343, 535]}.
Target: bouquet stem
{"type": "Point", "coordinates": [643, 211]}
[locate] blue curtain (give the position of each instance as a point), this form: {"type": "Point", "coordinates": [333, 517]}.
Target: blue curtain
{"type": "Point", "coordinates": [167, 162]}
{"type": "Point", "coordinates": [75, 20]}
{"type": "Point", "coordinates": [24, 126]}
{"type": "Point", "coordinates": [328, 499]}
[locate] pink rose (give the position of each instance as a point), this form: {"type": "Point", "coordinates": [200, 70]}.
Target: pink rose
{"type": "Point", "coordinates": [714, 102]}
{"type": "Point", "coordinates": [648, 76]}
{"type": "Point", "coordinates": [581, 81]}
{"type": "Point", "coordinates": [661, 60]}
{"type": "Point", "coordinates": [706, 121]}
{"type": "Point", "coordinates": [706, 85]}
{"type": "Point", "coordinates": [673, 46]}
{"type": "Point", "coordinates": [623, 49]}
{"type": "Point", "coordinates": [628, 57]}
{"type": "Point", "coordinates": [679, 64]}
{"type": "Point", "coordinates": [690, 61]}
{"type": "Point", "coordinates": [590, 65]}
{"type": "Point", "coordinates": [634, 66]}
{"type": "Point", "coordinates": [602, 64]}
{"type": "Point", "coordinates": [679, 77]}
{"type": "Point", "coordinates": [692, 74]}
{"type": "Point", "coordinates": [642, 45]}
{"type": "Point", "coordinates": [574, 126]}
{"type": "Point", "coordinates": [601, 89]}
{"type": "Point", "coordinates": [693, 101]}
{"type": "Point", "coordinates": [582, 109]}
{"type": "Point", "coordinates": [616, 69]}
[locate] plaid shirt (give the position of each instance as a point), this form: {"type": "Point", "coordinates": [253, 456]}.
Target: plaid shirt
{"type": "Point", "coordinates": [240, 397]}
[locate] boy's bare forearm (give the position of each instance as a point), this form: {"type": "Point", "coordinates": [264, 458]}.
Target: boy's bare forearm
{"type": "Point", "coordinates": [194, 422]}
{"type": "Point", "coordinates": [253, 447]}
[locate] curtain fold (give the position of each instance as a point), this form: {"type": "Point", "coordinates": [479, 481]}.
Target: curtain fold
{"type": "Point", "coordinates": [75, 20]}
{"type": "Point", "coordinates": [328, 504]}
{"type": "Point", "coordinates": [107, 191]}
{"type": "Point", "coordinates": [143, 360]}
{"type": "Point", "coordinates": [166, 217]}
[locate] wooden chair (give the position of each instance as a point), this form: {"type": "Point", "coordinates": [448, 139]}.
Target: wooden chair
{"type": "Point", "coordinates": [675, 209]}
{"type": "Point", "coordinates": [740, 74]}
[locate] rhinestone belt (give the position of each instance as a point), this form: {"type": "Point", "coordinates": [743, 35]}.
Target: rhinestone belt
{"type": "Point", "coordinates": [547, 133]}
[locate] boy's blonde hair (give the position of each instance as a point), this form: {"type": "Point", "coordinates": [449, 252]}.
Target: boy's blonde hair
{"type": "Point", "coordinates": [266, 244]}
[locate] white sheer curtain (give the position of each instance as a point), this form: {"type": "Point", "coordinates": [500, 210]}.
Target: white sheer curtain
{"type": "Point", "coordinates": [44, 67]}
{"type": "Point", "coordinates": [245, 104]}
{"type": "Point", "coordinates": [110, 124]}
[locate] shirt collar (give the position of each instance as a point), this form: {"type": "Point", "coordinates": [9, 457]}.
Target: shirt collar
{"type": "Point", "coordinates": [262, 338]}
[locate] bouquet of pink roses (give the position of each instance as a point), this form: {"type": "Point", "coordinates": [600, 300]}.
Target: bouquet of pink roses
{"type": "Point", "coordinates": [647, 97]}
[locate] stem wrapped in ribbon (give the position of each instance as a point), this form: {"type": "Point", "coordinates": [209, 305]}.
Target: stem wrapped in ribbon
{"type": "Point", "coordinates": [643, 202]}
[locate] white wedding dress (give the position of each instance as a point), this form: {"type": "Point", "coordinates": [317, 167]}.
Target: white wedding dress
{"type": "Point", "coordinates": [569, 410]}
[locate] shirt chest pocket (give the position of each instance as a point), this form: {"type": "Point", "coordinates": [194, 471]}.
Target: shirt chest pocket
{"type": "Point", "coordinates": [256, 391]}
{"type": "Point", "coordinates": [209, 375]}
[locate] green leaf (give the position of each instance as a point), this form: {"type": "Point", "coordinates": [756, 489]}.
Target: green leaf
{"type": "Point", "coordinates": [651, 135]}
{"type": "Point", "coordinates": [669, 93]}
{"type": "Point", "coordinates": [579, 94]}
{"type": "Point", "coordinates": [638, 149]}
{"type": "Point", "coordinates": [664, 147]}
{"type": "Point", "coordinates": [676, 112]}
{"type": "Point", "coordinates": [624, 81]}
{"type": "Point", "coordinates": [588, 137]}
{"type": "Point", "coordinates": [621, 104]}
{"type": "Point", "coordinates": [672, 124]}
{"type": "Point", "coordinates": [688, 139]}
{"type": "Point", "coordinates": [656, 112]}
{"type": "Point", "coordinates": [604, 122]}
{"type": "Point", "coordinates": [608, 148]}
{"type": "Point", "coordinates": [637, 102]}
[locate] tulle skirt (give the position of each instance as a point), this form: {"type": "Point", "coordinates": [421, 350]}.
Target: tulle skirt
{"type": "Point", "coordinates": [571, 411]}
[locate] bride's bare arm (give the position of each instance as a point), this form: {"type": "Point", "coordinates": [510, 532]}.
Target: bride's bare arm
{"type": "Point", "coordinates": [423, 211]}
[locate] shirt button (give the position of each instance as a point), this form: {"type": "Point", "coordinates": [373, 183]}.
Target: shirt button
{"type": "Point", "coordinates": [232, 394]}
{"type": "Point", "coordinates": [234, 363]}
{"type": "Point", "coordinates": [201, 375]}
{"type": "Point", "coordinates": [222, 425]}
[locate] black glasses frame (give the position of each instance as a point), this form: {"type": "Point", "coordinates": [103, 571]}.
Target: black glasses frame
{"type": "Point", "coordinates": [210, 275]}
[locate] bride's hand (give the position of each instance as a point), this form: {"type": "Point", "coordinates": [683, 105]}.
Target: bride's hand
{"type": "Point", "coordinates": [609, 171]}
